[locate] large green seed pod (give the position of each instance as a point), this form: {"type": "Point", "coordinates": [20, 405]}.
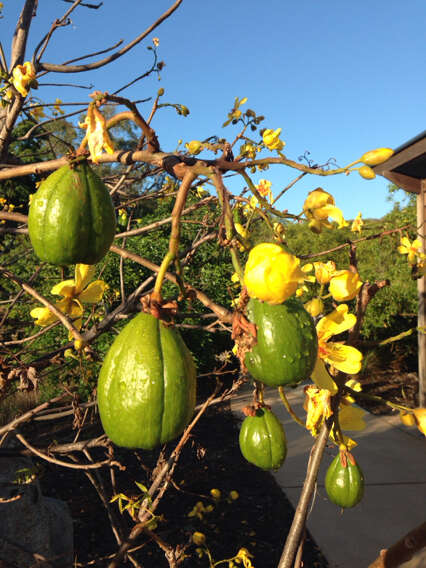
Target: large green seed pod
{"type": "Point", "coordinates": [147, 385]}
{"type": "Point", "coordinates": [344, 481]}
{"type": "Point", "coordinates": [287, 345]}
{"type": "Point", "coordinates": [262, 440]}
{"type": "Point", "coordinates": [71, 218]}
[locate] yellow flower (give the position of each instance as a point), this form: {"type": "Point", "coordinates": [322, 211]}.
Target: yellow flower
{"type": "Point", "coordinates": [344, 285]}
{"type": "Point", "coordinates": [57, 107]}
{"type": "Point", "coordinates": [264, 188]}
{"type": "Point", "coordinates": [242, 231]}
{"type": "Point", "coordinates": [366, 172]}
{"type": "Point", "coordinates": [233, 495]}
{"type": "Point", "coordinates": [412, 250]}
{"type": "Point", "coordinates": [318, 207]}
{"type": "Point", "coordinates": [318, 408]}
{"type": "Point", "coordinates": [420, 417]}
{"type": "Point", "coordinates": [271, 274]}
{"type": "Point", "coordinates": [244, 555]}
{"type": "Point", "coordinates": [344, 358]}
{"type": "Point", "coordinates": [357, 224]}
{"type": "Point", "coordinates": [198, 538]}
{"type": "Point", "coordinates": [375, 157]}
{"type": "Point", "coordinates": [75, 293]}
{"type": "Point", "coordinates": [194, 147]}
{"type": "Point", "coordinates": [324, 271]}
{"type": "Point", "coordinates": [97, 134]}
{"type": "Point", "coordinates": [37, 112]}
{"type": "Point", "coordinates": [23, 77]}
{"type": "Point", "coordinates": [271, 139]}
{"type": "Point", "coordinates": [315, 307]}
{"type": "Point", "coordinates": [249, 150]}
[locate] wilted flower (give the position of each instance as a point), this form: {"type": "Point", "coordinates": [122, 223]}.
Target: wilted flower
{"type": "Point", "coordinates": [272, 274]}
{"type": "Point", "coordinates": [318, 407]}
{"type": "Point", "coordinates": [97, 134]}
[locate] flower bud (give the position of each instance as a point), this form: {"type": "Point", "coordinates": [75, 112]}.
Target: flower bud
{"type": "Point", "coordinates": [375, 157]}
{"type": "Point", "coordinates": [315, 307]}
{"type": "Point", "coordinates": [366, 172]}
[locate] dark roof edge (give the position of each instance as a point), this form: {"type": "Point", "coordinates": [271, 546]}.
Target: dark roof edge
{"type": "Point", "coordinates": [410, 142]}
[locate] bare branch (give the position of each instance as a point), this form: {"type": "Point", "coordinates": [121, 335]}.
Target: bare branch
{"type": "Point", "coordinates": [20, 36]}
{"type": "Point", "coordinates": [58, 68]}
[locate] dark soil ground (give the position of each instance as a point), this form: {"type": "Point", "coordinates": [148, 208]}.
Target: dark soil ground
{"type": "Point", "coordinates": [258, 520]}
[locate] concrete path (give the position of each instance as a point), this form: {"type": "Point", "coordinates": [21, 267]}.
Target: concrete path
{"type": "Point", "coordinates": [393, 459]}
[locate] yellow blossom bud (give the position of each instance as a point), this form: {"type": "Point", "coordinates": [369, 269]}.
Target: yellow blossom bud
{"type": "Point", "coordinates": [160, 92]}
{"type": "Point", "coordinates": [215, 493]}
{"type": "Point", "coordinates": [234, 495]}
{"type": "Point", "coordinates": [375, 157]}
{"type": "Point", "coordinates": [272, 274]}
{"type": "Point", "coordinates": [198, 538]}
{"type": "Point", "coordinates": [315, 307]}
{"type": "Point", "coordinates": [366, 172]}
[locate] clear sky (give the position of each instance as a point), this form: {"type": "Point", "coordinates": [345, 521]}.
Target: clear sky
{"type": "Point", "coordinates": [339, 78]}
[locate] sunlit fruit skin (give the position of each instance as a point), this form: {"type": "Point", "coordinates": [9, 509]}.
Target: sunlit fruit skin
{"type": "Point", "coordinates": [344, 483]}
{"type": "Point", "coordinates": [262, 440]}
{"type": "Point", "coordinates": [287, 343]}
{"type": "Point", "coordinates": [71, 218]}
{"type": "Point", "coordinates": [147, 385]}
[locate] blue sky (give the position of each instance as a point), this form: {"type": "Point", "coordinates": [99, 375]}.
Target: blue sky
{"type": "Point", "coordinates": [339, 78]}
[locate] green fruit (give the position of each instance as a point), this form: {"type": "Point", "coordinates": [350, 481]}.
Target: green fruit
{"type": "Point", "coordinates": [287, 344]}
{"type": "Point", "coordinates": [262, 440]}
{"type": "Point", "coordinates": [146, 387]}
{"type": "Point", "coordinates": [344, 482]}
{"type": "Point", "coordinates": [71, 218]}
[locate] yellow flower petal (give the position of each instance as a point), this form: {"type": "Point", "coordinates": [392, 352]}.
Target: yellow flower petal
{"type": "Point", "coordinates": [321, 377]}
{"type": "Point", "coordinates": [43, 316]}
{"type": "Point", "coordinates": [344, 358]}
{"type": "Point", "coordinates": [66, 288]}
{"type": "Point", "coordinates": [335, 323]}
{"type": "Point", "coordinates": [351, 418]}
{"type": "Point", "coordinates": [83, 274]}
{"type": "Point", "coordinates": [93, 293]}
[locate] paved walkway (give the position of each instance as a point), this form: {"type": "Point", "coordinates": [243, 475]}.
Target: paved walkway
{"type": "Point", "coordinates": [393, 459]}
